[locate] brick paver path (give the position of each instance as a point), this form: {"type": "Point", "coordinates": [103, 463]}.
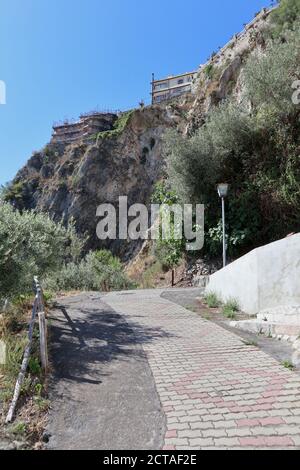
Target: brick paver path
{"type": "Point", "coordinates": [217, 392]}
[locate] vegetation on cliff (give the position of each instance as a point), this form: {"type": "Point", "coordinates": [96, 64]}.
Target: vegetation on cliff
{"type": "Point", "coordinates": [253, 144]}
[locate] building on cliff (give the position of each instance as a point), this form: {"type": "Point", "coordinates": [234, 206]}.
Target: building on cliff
{"type": "Point", "coordinates": [171, 87]}
{"type": "Point", "coordinates": [89, 124]}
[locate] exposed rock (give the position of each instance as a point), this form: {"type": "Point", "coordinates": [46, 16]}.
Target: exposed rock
{"type": "Point", "coordinates": [72, 179]}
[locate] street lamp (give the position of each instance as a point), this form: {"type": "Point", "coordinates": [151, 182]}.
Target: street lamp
{"type": "Point", "coordinates": [223, 192]}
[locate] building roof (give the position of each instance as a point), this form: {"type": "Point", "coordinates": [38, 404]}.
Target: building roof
{"type": "Point", "coordinates": [174, 76]}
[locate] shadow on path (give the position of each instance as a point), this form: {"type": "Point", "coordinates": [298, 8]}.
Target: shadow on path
{"type": "Point", "coordinates": [102, 390]}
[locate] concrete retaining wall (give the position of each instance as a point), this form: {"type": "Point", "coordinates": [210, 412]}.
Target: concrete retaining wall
{"type": "Point", "coordinates": [264, 279]}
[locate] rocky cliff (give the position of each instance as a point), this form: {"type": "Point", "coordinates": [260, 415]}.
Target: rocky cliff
{"type": "Point", "coordinates": [70, 179]}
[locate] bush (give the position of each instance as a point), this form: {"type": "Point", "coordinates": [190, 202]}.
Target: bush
{"type": "Point", "coordinates": [256, 152]}
{"type": "Point", "coordinates": [99, 270]}
{"type": "Point", "coordinates": [195, 165]}
{"type": "Point", "coordinates": [284, 17]}
{"type": "Point", "coordinates": [269, 77]}
{"type": "Point", "coordinates": [32, 244]}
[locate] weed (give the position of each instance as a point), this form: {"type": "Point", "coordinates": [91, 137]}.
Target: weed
{"type": "Point", "coordinates": [209, 71]}
{"type": "Point", "coordinates": [42, 403]}
{"type": "Point", "coordinates": [38, 389]}
{"type": "Point", "coordinates": [288, 365]}
{"type": "Point", "coordinates": [211, 300]}
{"type": "Point", "coordinates": [230, 309]}
{"type": "Point", "coordinates": [250, 343]}
{"type": "Point", "coordinates": [34, 366]}
{"type": "Point", "coordinates": [192, 308]}
{"type": "Point", "coordinates": [229, 313]}
{"type": "Point", "coordinates": [19, 429]}
{"type": "Point", "coordinates": [233, 305]}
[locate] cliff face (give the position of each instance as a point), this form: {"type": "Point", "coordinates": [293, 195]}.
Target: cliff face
{"type": "Point", "coordinates": [71, 178]}
{"type": "Point", "coordinates": [222, 76]}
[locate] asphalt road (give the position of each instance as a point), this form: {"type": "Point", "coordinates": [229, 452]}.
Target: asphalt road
{"type": "Point", "coordinates": [102, 390]}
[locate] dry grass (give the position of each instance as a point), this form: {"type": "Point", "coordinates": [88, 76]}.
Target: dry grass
{"type": "Point", "coordinates": [32, 406]}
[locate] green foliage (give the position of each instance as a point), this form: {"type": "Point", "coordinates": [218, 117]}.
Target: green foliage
{"type": "Point", "coordinates": [15, 349]}
{"type": "Point", "coordinates": [209, 71]}
{"type": "Point", "coordinates": [99, 270]}
{"type": "Point", "coordinates": [168, 251]}
{"type": "Point", "coordinates": [196, 165]}
{"type": "Point", "coordinates": [284, 17]}
{"type": "Point", "coordinates": [230, 308]}
{"type": "Point", "coordinates": [288, 365]}
{"type": "Point", "coordinates": [119, 126]}
{"type": "Point", "coordinates": [257, 153]}
{"type": "Point", "coordinates": [19, 429]}
{"type": "Point", "coordinates": [32, 244]}
{"type": "Point", "coordinates": [13, 191]}
{"type": "Point", "coordinates": [212, 300]}
{"type": "Point", "coordinates": [34, 366]}
{"type": "Point", "coordinates": [163, 194]}
{"type": "Point", "coordinates": [269, 79]}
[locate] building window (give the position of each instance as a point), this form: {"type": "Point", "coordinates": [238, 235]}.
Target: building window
{"type": "Point", "coordinates": [159, 86]}
{"type": "Point", "coordinates": [180, 82]}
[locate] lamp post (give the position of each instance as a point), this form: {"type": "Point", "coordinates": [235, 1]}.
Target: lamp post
{"type": "Point", "coordinates": [223, 192]}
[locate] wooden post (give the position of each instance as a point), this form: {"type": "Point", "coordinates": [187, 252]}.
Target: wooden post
{"type": "Point", "coordinates": [173, 277]}
{"type": "Point", "coordinates": [43, 340]}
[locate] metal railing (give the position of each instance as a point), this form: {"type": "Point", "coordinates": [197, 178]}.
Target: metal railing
{"type": "Point", "coordinates": [38, 310]}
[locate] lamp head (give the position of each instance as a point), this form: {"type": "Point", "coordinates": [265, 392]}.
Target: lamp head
{"type": "Point", "coordinates": [223, 189]}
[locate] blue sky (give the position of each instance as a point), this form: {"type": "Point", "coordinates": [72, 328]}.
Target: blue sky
{"type": "Point", "coordinates": [59, 58]}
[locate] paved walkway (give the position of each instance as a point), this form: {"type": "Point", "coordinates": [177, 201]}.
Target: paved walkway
{"type": "Point", "coordinates": [216, 392]}
{"type": "Point", "coordinates": [135, 371]}
{"type": "Point", "coordinates": [102, 391]}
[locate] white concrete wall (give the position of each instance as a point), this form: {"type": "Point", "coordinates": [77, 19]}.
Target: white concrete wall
{"type": "Point", "coordinates": [265, 278]}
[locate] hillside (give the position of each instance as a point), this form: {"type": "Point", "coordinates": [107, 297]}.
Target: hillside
{"type": "Point", "coordinates": [70, 179]}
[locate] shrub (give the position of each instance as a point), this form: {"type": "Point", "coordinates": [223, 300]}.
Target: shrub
{"type": "Point", "coordinates": [195, 165]}
{"type": "Point", "coordinates": [99, 270]}
{"type": "Point", "coordinates": [118, 127]}
{"type": "Point", "coordinates": [32, 244]}
{"type": "Point", "coordinates": [269, 77]}
{"type": "Point", "coordinates": [256, 152]}
{"type": "Point", "coordinates": [284, 17]}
